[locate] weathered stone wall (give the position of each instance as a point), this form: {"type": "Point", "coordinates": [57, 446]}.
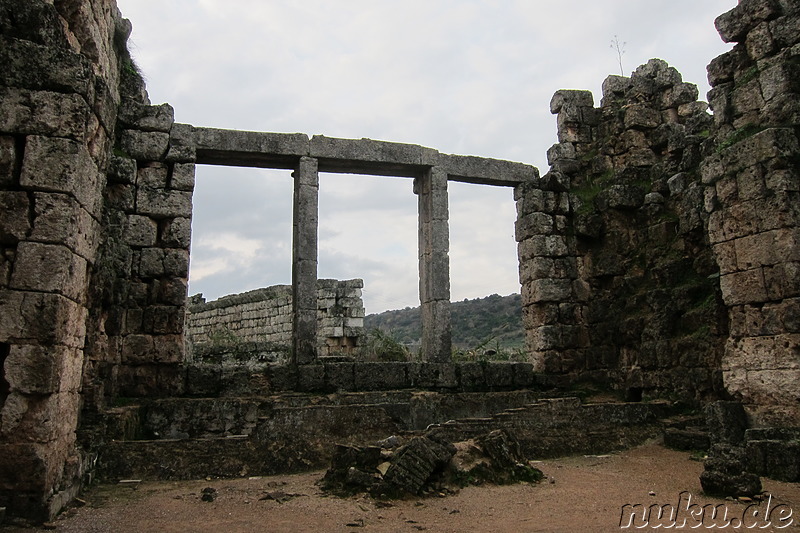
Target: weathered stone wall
{"type": "Point", "coordinates": [265, 316]}
{"type": "Point", "coordinates": [58, 112]}
{"type": "Point", "coordinates": [618, 283]}
{"type": "Point", "coordinates": [135, 344]}
{"type": "Point", "coordinates": [753, 195]}
{"type": "Point", "coordinates": [664, 237]}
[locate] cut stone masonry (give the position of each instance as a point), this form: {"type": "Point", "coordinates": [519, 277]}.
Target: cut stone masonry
{"type": "Point", "coordinates": [658, 257]}
{"type": "Point", "coordinates": [263, 318]}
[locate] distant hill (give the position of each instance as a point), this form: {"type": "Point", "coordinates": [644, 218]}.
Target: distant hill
{"type": "Point", "coordinates": [492, 322]}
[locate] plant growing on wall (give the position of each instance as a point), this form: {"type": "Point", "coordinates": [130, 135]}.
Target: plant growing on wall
{"type": "Point", "coordinates": [619, 48]}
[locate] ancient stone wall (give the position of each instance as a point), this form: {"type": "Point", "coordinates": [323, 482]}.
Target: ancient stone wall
{"type": "Point", "coordinates": [752, 192]}
{"type": "Point", "coordinates": [264, 316]}
{"type": "Point", "coordinates": [58, 113]}
{"type": "Point", "coordinates": [618, 284]}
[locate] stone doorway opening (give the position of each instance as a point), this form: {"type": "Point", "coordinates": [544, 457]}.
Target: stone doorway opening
{"type": "Point", "coordinates": [241, 230]}
{"type": "Point", "coordinates": [368, 230]}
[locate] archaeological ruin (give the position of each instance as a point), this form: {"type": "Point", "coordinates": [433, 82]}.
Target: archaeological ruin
{"type": "Point", "coordinates": [659, 263]}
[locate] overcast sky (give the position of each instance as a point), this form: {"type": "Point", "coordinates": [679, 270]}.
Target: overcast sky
{"type": "Point", "coordinates": [471, 77]}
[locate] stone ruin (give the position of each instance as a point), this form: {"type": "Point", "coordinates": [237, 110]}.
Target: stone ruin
{"type": "Point", "coordinates": [658, 261]}
{"type": "Point", "coordinates": [258, 324]}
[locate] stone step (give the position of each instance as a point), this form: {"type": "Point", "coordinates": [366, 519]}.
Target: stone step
{"type": "Point", "coordinates": [180, 418]}
{"type": "Point", "coordinates": [689, 439]}
{"type": "Point", "coordinates": [289, 438]}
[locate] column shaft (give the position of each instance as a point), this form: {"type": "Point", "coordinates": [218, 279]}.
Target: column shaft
{"type": "Point", "coordinates": [304, 261]}
{"type": "Point", "coordinates": [434, 265]}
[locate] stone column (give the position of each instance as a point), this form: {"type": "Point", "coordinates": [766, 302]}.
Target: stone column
{"type": "Point", "coordinates": [434, 265]}
{"type": "Point", "coordinates": [304, 261]}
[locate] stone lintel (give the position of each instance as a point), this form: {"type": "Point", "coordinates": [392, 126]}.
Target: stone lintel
{"type": "Point", "coordinates": [367, 156]}
{"type": "Point", "coordinates": [351, 156]}
{"type": "Point", "coordinates": [486, 171]}
{"type": "Point", "coordinates": [249, 148]}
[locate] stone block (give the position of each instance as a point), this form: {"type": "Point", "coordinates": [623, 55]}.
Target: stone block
{"type": "Point", "coordinates": [641, 116]}
{"type": "Point", "coordinates": [44, 318]}
{"type": "Point", "coordinates": [621, 197]}
{"type": "Point", "coordinates": [783, 180]}
{"type": "Point", "coordinates": [543, 246]}
{"type": "Point", "coordinates": [380, 376]}
{"type": "Point", "coordinates": [181, 144]}
{"type": "Point", "coordinates": [232, 147]}
{"type": "Point", "coordinates": [545, 338]}
{"type": "Point", "coordinates": [29, 466]}
{"type": "Point", "coordinates": [159, 203]}
{"type": "Point", "coordinates": [61, 165]}
{"type": "Point", "coordinates": [121, 170]}
{"type": "Point", "coordinates": [39, 418]}
{"type": "Point", "coordinates": [141, 231]}
{"type": "Point", "coordinates": [15, 220]}
{"type": "Point", "coordinates": [524, 375]}
{"type": "Point", "coordinates": [533, 224]}
{"type": "Point", "coordinates": [50, 268]}
{"type": "Point", "coordinates": [354, 153]}
{"type": "Point", "coordinates": [750, 183]}
{"type": "Point", "coordinates": [726, 422]}
{"type": "Point", "coordinates": [311, 378]}
{"type": "Point", "coordinates": [759, 42]}
{"type": "Point", "coordinates": [147, 117]}
{"type": "Point", "coordinates": [734, 25]}
{"type": "Point", "coordinates": [615, 86]}
{"type": "Point", "coordinates": [151, 263]}
{"type": "Point", "coordinates": [151, 381]}
{"type": "Point", "coordinates": [471, 376]}
{"type": "Point", "coordinates": [678, 95]}
{"type": "Point", "coordinates": [561, 151]}
{"type": "Point", "coordinates": [183, 175]}
{"type": "Point", "coordinates": [176, 232]}
{"type": "Point", "coordinates": [31, 369]}
{"type": "Point", "coordinates": [782, 280]}
{"type": "Point", "coordinates": [203, 380]}
{"type": "Point", "coordinates": [144, 145]}
{"type": "Point", "coordinates": [42, 113]}
{"type": "Point", "coordinates": [340, 376]}
{"type": "Point", "coordinates": [169, 348]}
{"type": "Point", "coordinates": [776, 459]}
{"type": "Point", "coordinates": [176, 262]}
{"type": "Point", "coordinates": [153, 176]}
{"type": "Point", "coordinates": [485, 171]}
{"type": "Point", "coordinates": [725, 256]}
{"type": "Point", "coordinates": [8, 161]}
{"type": "Point", "coordinates": [743, 287]}
{"type": "Point", "coordinates": [163, 319]}
{"type": "Point", "coordinates": [138, 349]}
{"type": "Point", "coordinates": [547, 290]}
{"type": "Point", "coordinates": [540, 314]}
{"type": "Point", "coordinates": [169, 291]}
{"type": "Point", "coordinates": [573, 97]}
{"type": "Point", "coordinates": [499, 376]}
{"type": "Point", "coordinates": [677, 183]}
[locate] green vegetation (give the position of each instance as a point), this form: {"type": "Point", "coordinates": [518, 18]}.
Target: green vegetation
{"type": "Point", "coordinates": [383, 346]}
{"type": "Point", "coordinates": [748, 130]}
{"type": "Point", "coordinates": [487, 328]}
{"type": "Point", "coordinates": [749, 75]}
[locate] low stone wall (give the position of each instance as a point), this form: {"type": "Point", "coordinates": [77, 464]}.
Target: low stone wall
{"type": "Point", "coordinates": [187, 439]}
{"type": "Point", "coordinates": [264, 317]}
{"type": "Point", "coordinates": [213, 380]}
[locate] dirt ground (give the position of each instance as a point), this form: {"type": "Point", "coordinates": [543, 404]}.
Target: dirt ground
{"type": "Point", "coordinates": [580, 494]}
